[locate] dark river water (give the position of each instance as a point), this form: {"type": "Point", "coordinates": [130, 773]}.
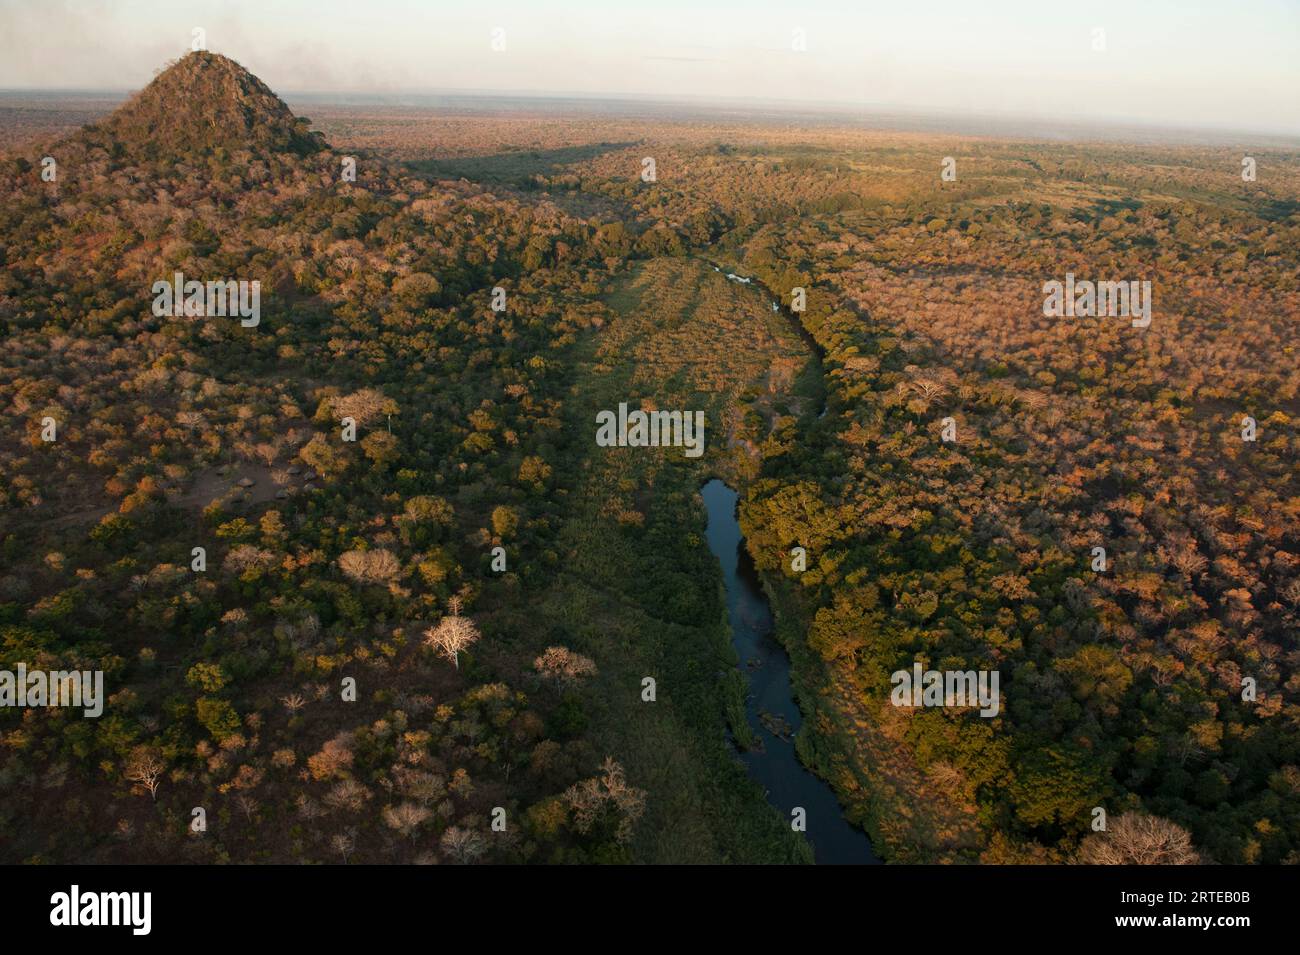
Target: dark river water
{"type": "Point", "coordinates": [774, 765]}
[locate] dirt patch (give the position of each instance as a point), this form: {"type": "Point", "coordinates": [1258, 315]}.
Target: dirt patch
{"type": "Point", "coordinates": [252, 483]}
{"type": "Point", "coordinates": [210, 484]}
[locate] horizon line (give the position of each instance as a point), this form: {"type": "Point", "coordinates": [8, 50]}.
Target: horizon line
{"type": "Point", "coordinates": [839, 108]}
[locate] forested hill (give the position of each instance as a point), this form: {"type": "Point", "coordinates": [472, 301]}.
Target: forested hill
{"type": "Point", "coordinates": [271, 602]}
{"type": "Point", "coordinates": [201, 105]}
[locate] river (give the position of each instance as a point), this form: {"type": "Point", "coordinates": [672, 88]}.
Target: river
{"type": "Point", "coordinates": [771, 707]}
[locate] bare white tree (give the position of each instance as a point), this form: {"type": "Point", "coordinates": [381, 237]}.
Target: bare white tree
{"type": "Point", "coordinates": [1138, 839]}
{"type": "Point", "coordinates": [453, 634]}
{"type": "Point", "coordinates": [370, 566]}
{"type": "Point", "coordinates": [406, 817]}
{"type": "Point", "coordinates": [146, 768]}
{"type": "Point", "coordinates": [247, 805]}
{"type": "Point", "coordinates": [463, 845]}
{"type": "Point", "coordinates": [343, 843]}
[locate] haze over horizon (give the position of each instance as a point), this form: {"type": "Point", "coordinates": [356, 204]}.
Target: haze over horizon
{"type": "Point", "coordinates": [1164, 65]}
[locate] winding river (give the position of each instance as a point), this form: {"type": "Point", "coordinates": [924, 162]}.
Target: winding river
{"type": "Point", "coordinates": [771, 709]}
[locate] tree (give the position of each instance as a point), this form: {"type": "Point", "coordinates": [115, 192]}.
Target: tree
{"type": "Point", "coordinates": [406, 817]}
{"type": "Point", "coordinates": [217, 716]}
{"type": "Point", "coordinates": [247, 559]}
{"type": "Point", "coordinates": [424, 519]}
{"type": "Point", "coordinates": [534, 472]}
{"type": "Point", "coordinates": [775, 517]}
{"type": "Point", "coordinates": [334, 759]}
{"type": "Point", "coordinates": [453, 634]}
{"type": "Point", "coordinates": [247, 805]}
{"type": "Point", "coordinates": [1138, 839]}
{"type": "Point", "coordinates": [564, 666]}
{"type": "Point", "coordinates": [207, 677]}
{"type": "Point", "coordinates": [463, 845]}
{"type": "Point", "coordinates": [146, 768]}
{"type": "Point", "coordinates": [365, 406]}
{"type": "Point", "coordinates": [416, 290]}
{"type": "Point", "coordinates": [381, 447]}
{"type": "Point", "coordinates": [343, 843]}
{"type": "Point", "coordinates": [327, 458]}
{"type": "Point", "coordinates": [505, 520]}
{"type": "Point", "coordinates": [591, 799]}
{"type": "Point", "coordinates": [378, 566]}
{"type": "Point", "coordinates": [1056, 784]}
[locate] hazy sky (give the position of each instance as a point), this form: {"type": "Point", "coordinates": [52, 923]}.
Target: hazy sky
{"type": "Point", "coordinates": [1234, 63]}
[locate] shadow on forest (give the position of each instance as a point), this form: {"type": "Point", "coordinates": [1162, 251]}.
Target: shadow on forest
{"type": "Point", "coordinates": [1276, 210]}
{"type": "Point", "coordinates": [516, 168]}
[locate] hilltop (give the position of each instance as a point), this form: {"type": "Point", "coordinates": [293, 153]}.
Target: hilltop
{"type": "Point", "coordinates": [203, 103]}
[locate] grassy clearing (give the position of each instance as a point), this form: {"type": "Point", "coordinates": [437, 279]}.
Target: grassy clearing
{"type": "Point", "coordinates": [638, 578]}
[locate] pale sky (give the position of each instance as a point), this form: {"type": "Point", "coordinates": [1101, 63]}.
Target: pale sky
{"type": "Point", "coordinates": [1229, 64]}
